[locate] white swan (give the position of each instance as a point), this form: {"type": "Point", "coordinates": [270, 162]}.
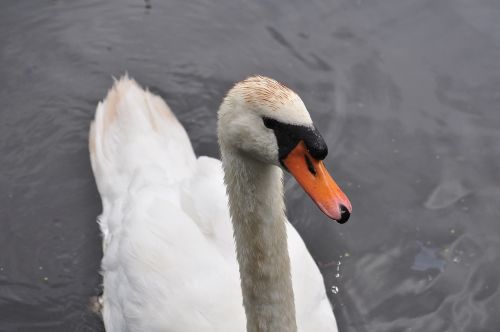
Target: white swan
{"type": "Point", "coordinates": [170, 260]}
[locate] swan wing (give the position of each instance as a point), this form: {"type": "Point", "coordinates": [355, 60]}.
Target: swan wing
{"type": "Point", "coordinates": [163, 273]}
{"type": "Point", "coordinates": [313, 309]}
{"type": "Point", "coordinates": [166, 231]}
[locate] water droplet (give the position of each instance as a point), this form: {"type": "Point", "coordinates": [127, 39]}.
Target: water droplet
{"type": "Point", "coordinates": [456, 259]}
{"type": "Point", "coordinates": [45, 279]}
{"type": "Point", "coordinates": [335, 290]}
{"type": "Point", "coordinates": [347, 254]}
{"type": "Point", "coordinates": [339, 262]}
{"type": "Point", "coordinates": [337, 275]}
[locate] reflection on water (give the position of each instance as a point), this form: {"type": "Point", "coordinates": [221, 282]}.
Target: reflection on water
{"type": "Point", "coordinates": [405, 92]}
{"type": "Point", "coordinates": [446, 194]}
{"type": "Point", "coordinates": [428, 259]}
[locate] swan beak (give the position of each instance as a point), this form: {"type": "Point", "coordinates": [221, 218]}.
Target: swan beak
{"type": "Point", "coordinates": [313, 177]}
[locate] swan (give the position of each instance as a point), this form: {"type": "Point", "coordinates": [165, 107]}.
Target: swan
{"type": "Point", "coordinates": [196, 244]}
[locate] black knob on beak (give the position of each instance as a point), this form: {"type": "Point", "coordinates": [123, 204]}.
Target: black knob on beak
{"type": "Point", "coordinates": [344, 214]}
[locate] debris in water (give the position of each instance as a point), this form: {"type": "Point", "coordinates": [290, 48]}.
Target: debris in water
{"type": "Point", "coordinates": [95, 304]}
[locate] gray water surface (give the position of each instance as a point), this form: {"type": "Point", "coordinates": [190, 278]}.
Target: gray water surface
{"type": "Point", "coordinates": [405, 92]}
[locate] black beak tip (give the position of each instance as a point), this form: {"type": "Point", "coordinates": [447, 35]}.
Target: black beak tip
{"type": "Point", "coordinates": [344, 215]}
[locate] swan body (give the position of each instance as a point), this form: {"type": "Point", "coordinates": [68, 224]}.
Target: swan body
{"type": "Point", "coordinates": [169, 258]}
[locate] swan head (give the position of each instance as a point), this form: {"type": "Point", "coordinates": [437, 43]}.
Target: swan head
{"type": "Point", "coordinates": [266, 121]}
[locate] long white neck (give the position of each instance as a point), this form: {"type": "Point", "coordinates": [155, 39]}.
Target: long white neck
{"type": "Point", "coordinates": [255, 193]}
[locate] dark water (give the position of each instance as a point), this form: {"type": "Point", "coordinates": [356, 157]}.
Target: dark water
{"type": "Point", "coordinates": [406, 92]}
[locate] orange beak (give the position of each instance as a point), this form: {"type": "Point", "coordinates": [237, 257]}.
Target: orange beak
{"type": "Point", "coordinates": [313, 177]}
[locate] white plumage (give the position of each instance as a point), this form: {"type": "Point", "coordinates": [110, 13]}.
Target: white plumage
{"type": "Point", "coordinates": [169, 259]}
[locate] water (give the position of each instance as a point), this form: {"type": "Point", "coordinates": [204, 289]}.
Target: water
{"type": "Point", "coordinates": [406, 93]}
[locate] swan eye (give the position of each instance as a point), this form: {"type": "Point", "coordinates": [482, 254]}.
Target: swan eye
{"type": "Point", "coordinates": [310, 165]}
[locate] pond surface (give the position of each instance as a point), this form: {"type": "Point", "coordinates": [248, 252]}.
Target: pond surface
{"type": "Point", "coordinates": [406, 93]}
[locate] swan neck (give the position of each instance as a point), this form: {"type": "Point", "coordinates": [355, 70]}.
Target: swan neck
{"type": "Point", "coordinates": [257, 209]}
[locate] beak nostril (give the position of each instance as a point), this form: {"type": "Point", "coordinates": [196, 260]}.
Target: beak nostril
{"type": "Point", "coordinates": [310, 165]}
{"type": "Point", "coordinates": [344, 214]}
